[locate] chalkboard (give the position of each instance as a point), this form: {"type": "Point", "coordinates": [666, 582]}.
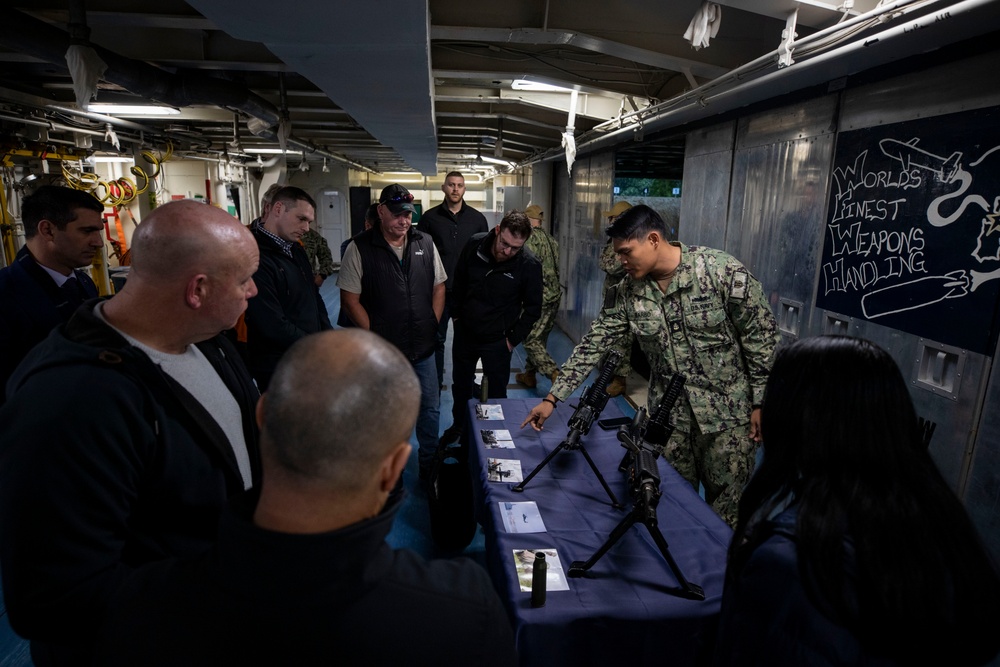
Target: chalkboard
{"type": "Point", "coordinates": [912, 237]}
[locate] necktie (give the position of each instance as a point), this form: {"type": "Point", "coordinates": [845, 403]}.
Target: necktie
{"type": "Point", "coordinates": [74, 292]}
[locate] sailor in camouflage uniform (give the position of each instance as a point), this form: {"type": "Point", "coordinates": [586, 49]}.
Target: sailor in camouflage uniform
{"type": "Point", "coordinates": [546, 250]}
{"type": "Point", "coordinates": [698, 312]}
{"type": "Point", "coordinates": [320, 257]}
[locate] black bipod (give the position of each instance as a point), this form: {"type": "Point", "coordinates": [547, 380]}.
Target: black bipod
{"type": "Point", "coordinates": [646, 484]}
{"type": "Point", "coordinates": [642, 442]}
{"type": "Point", "coordinates": [592, 403]}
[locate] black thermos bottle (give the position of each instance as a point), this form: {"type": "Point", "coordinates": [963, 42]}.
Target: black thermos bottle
{"type": "Point", "coordinates": [538, 573]}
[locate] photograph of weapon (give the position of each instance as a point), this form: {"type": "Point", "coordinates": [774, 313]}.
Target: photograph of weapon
{"type": "Point", "coordinates": [644, 440]}
{"type": "Point", "coordinates": [592, 403]}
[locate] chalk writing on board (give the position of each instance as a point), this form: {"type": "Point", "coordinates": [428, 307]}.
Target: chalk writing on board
{"type": "Point", "coordinates": [912, 235]}
{"type": "Point", "coordinates": [899, 253]}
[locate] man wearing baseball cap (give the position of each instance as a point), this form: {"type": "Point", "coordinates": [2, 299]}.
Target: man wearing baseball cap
{"type": "Point", "coordinates": [392, 283]}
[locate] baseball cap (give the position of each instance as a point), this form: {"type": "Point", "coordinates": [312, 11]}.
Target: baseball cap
{"type": "Point", "coordinates": [397, 199]}
{"type": "Point", "coordinates": [534, 211]}
{"type": "Point", "coordinates": [617, 209]}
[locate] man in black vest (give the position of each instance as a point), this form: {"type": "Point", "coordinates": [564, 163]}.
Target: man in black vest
{"type": "Point", "coordinates": [63, 230]}
{"type": "Point", "coordinates": [288, 305]}
{"type": "Point", "coordinates": [392, 282]}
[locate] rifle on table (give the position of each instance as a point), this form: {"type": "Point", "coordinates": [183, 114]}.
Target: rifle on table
{"type": "Point", "coordinates": [592, 403]}
{"type": "Point", "coordinates": [643, 441]}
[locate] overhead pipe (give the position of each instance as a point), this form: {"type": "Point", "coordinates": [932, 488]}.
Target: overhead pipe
{"type": "Point", "coordinates": [312, 148]}
{"type": "Point", "coordinates": [769, 59]}
{"type": "Point", "coordinates": [26, 34]}
{"type": "Point", "coordinates": [689, 106]}
{"type": "Point", "coordinates": [67, 128]}
{"type": "Point", "coordinates": [128, 124]}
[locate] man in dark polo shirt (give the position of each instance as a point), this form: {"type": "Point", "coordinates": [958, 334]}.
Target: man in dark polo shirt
{"type": "Point", "coordinates": [451, 224]}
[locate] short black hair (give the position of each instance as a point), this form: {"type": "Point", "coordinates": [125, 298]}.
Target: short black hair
{"type": "Point", "coordinates": [57, 204]}
{"type": "Point", "coordinates": [636, 223]}
{"type": "Point", "coordinates": [517, 223]}
{"type": "Point", "coordinates": [290, 194]}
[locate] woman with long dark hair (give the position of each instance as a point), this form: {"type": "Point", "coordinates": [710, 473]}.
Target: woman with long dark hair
{"type": "Point", "coordinates": [850, 548]}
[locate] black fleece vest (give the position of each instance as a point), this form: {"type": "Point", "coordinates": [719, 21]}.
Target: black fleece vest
{"type": "Point", "coordinates": [399, 298]}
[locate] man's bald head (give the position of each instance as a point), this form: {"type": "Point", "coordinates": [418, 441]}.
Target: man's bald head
{"type": "Point", "coordinates": [338, 403]}
{"type": "Point", "coordinates": [183, 238]}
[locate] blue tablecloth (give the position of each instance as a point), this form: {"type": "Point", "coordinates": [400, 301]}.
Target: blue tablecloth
{"type": "Point", "coordinates": [621, 612]}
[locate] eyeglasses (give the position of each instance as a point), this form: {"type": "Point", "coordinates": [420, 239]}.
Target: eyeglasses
{"type": "Point", "coordinates": [406, 199]}
{"type": "Point", "coordinates": [506, 247]}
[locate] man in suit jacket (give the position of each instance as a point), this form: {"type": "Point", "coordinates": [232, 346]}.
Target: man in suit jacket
{"type": "Point", "coordinates": [43, 287]}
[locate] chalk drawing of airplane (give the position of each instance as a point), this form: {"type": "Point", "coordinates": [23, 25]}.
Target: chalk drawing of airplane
{"type": "Point", "coordinates": [924, 292]}
{"type": "Point", "coordinates": [910, 156]}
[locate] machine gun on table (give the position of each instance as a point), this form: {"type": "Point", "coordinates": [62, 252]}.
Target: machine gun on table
{"type": "Point", "coordinates": [592, 403]}
{"type": "Point", "coordinates": [643, 440]}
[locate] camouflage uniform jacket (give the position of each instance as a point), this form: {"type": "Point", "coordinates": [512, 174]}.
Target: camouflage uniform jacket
{"type": "Point", "coordinates": [318, 252]}
{"type": "Point", "coordinates": [609, 262]}
{"type": "Point", "coordinates": [546, 249]}
{"type": "Point", "coordinates": [713, 325]}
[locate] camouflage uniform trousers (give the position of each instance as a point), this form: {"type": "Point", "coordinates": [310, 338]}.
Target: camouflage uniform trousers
{"type": "Point", "coordinates": [535, 344]}
{"type": "Point", "coordinates": [722, 462]}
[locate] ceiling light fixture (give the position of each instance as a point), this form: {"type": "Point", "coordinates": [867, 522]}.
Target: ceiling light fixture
{"type": "Point", "coordinates": [492, 160]}
{"type": "Point", "coordinates": [326, 167]}
{"type": "Point", "coordinates": [133, 110]}
{"type": "Point", "coordinates": [270, 151]}
{"type": "Point", "coordinates": [537, 86]}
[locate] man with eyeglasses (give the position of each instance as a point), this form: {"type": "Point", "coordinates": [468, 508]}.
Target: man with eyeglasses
{"type": "Point", "coordinates": [392, 283]}
{"type": "Point", "coordinates": [451, 224]}
{"type": "Point", "coordinates": [497, 298]}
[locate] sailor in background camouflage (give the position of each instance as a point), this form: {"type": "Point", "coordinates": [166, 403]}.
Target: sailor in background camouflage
{"type": "Point", "coordinates": [609, 263]}
{"type": "Point", "coordinates": [546, 250]}
{"type": "Point", "coordinates": [698, 312]}
{"type": "Point", "coordinates": [320, 257]}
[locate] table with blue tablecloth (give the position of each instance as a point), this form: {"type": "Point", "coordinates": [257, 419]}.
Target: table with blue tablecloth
{"type": "Point", "coordinates": [622, 612]}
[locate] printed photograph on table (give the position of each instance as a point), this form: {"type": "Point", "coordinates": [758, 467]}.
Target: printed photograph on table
{"type": "Point", "coordinates": [489, 412]}
{"type": "Point", "coordinates": [497, 438]}
{"type": "Point", "coordinates": [504, 470]}
{"type": "Point", "coordinates": [521, 517]}
{"type": "Point", "coordinates": [555, 579]}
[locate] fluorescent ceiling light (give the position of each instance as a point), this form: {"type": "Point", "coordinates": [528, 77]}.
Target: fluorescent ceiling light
{"type": "Point", "coordinates": [490, 159]}
{"type": "Point", "coordinates": [105, 158]}
{"type": "Point", "coordinates": [270, 151]}
{"type": "Point", "coordinates": [537, 86]}
{"type": "Point", "coordinates": [133, 110]}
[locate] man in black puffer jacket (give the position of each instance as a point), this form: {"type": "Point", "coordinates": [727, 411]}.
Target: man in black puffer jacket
{"type": "Point", "coordinates": [497, 300]}
{"type": "Point", "coordinates": [127, 430]}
